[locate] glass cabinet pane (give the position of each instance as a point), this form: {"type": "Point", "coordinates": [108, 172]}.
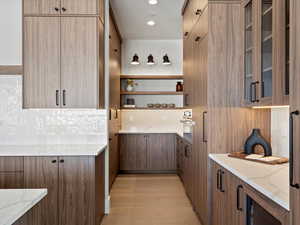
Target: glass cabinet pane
{"type": "Point", "coordinates": [248, 54]}
{"type": "Point", "coordinates": [287, 68]}
{"type": "Point", "coordinates": [266, 51]}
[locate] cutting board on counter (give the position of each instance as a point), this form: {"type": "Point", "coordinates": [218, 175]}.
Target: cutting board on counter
{"type": "Point", "coordinates": [272, 160]}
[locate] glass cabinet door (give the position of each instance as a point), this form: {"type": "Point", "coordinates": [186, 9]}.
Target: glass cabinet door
{"type": "Point", "coordinates": [266, 49]}
{"type": "Point", "coordinates": [248, 54]}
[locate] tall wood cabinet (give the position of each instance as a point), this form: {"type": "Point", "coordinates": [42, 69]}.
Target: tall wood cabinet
{"type": "Point", "coordinates": [294, 114]}
{"type": "Point", "coordinates": [212, 78]}
{"type": "Point", "coordinates": [63, 56]}
{"type": "Point", "coordinates": [265, 31]}
{"type": "Point", "coordinates": [114, 98]}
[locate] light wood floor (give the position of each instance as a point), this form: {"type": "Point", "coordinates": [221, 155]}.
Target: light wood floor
{"type": "Point", "coordinates": [149, 200]}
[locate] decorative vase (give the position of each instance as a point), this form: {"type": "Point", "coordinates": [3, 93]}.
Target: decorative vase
{"type": "Point", "coordinates": [257, 139]}
{"type": "Point", "coordinates": [129, 88]}
{"type": "Point", "coordinates": [179, 87]}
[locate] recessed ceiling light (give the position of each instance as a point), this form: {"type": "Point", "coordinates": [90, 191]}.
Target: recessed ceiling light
{"type": "Point", "coordinates": [151, 22]}
{"type": "Point", "coordinates": [153, 2]}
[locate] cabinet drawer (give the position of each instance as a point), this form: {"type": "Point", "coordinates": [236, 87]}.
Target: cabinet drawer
{"type": "Point", "coordinates": [11, 164]}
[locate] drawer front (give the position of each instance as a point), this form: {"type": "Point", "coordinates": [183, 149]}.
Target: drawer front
{"type": "Point", "coordinates": [11, 164]}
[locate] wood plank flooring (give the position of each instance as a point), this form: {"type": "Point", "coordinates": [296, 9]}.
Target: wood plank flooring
{"type": "Point", "coordinates": [149, 200]}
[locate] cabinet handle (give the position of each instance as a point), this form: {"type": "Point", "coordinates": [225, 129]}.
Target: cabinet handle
{"type": "Point", "coordinates": [57, 97]}
{"type": "Point", "coordinates": [292, 184]}
{"type": "Point", "coordinates": [110, 139]}
{"type": "Point", "coordinates": [239, 208]}
{"type": "Point", "coordinates": [186, 34]}
{"type": "Point", "coordinates": [62, 161]}
{"type": "Point", "coordinates": [54, 161]}
{"type": "Point", "coordinates": [203, 122]}
{"type": "Point", "coordinates": [198, 12]}
{"type": "Point", "coordinates": [186, 151]}
{"type": "Point", "coordinates": [56, 9]}
{"type": "Point", "coordinates": [221, 181]}
{"type": "Point", "coordinates": [218, 179]}
{"type": "Point", "coordinates": [64, 9]}
{"type": "Point", "coordinates": [255, 89]}
{"type": "Point", "coordinates": [116, 114]}
{"type": "Point", "coordinates": [197, 38]}
{"type": "Point", "coordinates": [64, 97]}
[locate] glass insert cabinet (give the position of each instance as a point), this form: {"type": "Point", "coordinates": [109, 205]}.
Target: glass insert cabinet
{"type": "Point", "coordinates": [266, 52]}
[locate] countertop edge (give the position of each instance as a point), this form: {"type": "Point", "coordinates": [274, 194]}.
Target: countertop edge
{"type": "Point", "coordinates": [252, 184]}
{"type": "Point", "coordinates": [18, 215]}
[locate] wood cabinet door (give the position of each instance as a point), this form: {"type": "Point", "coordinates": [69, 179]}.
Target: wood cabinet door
{"type": "Point", "coordinates": [219, 201]}
{"type": "Point", "coordinates": [294, 106]}
{"type": "Point", "coordinates": [11, 180]}
{"type": "Point", "coordinates": [41, 78]}
{"type": "Point", "coordinates": [42, 172]}
{"type": "Point", "coordinates": [82, 7]}
{"type": "Point", "coordinates": [76, 190]}
{"type": "Point", "coordinates": [100, 187]}
{"type": "Point", "coordinates": [162, 152]}
{"type": "Point", "coordinates": [41, 7]}
{"type": "Point", "coordinates": [133, 152]}
{"type": "Point", "coordinates": [79, 62]}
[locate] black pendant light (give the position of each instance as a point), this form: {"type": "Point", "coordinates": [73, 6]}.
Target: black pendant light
{"type": "Point", "coordinates": [135, 60]}
{"type": "Point", "coordinates": [166, 60]}
{"type": "Point", "coordinates": [150, 60]}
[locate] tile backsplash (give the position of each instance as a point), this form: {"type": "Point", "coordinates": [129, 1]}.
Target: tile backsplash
{"type": "Point", "coordinates": [280, 131]}
{"type": "Point", "coordinates": [45, 126]}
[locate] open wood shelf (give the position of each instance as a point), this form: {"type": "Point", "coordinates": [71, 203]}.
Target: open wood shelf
{"type": "Point", "coordinates": [145, 108]}
{"type": "Point", "coordinates": [153, 77]}
{"type": "Point", "coordinates": [151, 93]}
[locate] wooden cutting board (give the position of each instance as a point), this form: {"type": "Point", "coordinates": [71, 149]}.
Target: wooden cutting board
{"type": "Point", "coordinates": [278, 160]}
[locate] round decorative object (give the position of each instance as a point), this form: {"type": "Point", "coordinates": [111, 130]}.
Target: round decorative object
{"type": "Point", "coordinates": [129, 88]}
{"type": "Point", "coordinates": [257, 139]}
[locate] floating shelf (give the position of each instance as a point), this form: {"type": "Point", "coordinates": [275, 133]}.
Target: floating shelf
{"type": "Point", "coordinates": [151, 93]}
{"type": "Point", "coordinates": [153, 77]}
{"type": "Point", "coordinates": [145, 108]}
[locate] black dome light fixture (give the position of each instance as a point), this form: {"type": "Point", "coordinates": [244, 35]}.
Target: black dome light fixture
{"type": "Point", "coordinates": [135, 60]}
{"type": "Point", "coordinates": [166, 60]}
{"type": "Point", "coordinates": [150, 60]}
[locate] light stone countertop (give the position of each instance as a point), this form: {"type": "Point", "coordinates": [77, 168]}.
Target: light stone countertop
{"type": "Point", "coordinates": [52, 150]}
{"type": "Point", "coordinates": [270, 180]}
{"type": "Point", "coordinates": [14, 203]}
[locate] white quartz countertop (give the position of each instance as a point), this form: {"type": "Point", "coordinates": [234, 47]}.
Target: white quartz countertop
{"type": "Point", "coordinates": [52, 150]}
{"type": "Point", "coordinates": [150, 131]}
{"type": "Point", "coordinates": [14, 203]}
{"type": "Point", "coordinates": [270, 180]}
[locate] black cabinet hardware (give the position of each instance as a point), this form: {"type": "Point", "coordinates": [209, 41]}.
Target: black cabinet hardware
{"type": "Point", "coordinates": [61, 161]}
{"type": "Point", "coordinates": [56, 9]}
{"type": "Point", "coordinates": [57, 97]}
{"type": "Point", "coordinates": [218, 179]}
{"type": "Point", "coordinates": [110, 139]}
{"type": "Point", "coordinates": [221, 181]}
{"type": "Point", "coordinates": [63, 9]}
{"type": "Point", "coordinates": [255, 91]}
{"type": "Point", "coordinates": [204, 125]}
{"type": "Point", "coordinates": [197, 38]}
{"type": "Point", "coordinates": [198, 12]}
{"type": "Point", "coordinates": [253, 88]}
{"type": "Point", "coordinates": [292, 184]}
{"type": "Point", "coordinates": [238, 205]}
{"type": "Point", "coordinates": [64, 97]}
{"type": "Point", "coordinates": [54, 161]}
{"type": "Point", "coordinates": [186, 34]}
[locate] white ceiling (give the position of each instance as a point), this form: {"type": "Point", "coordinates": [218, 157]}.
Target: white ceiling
{"type": "Point", "coordinates": [132, 17]}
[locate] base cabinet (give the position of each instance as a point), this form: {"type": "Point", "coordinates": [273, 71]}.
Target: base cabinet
{"type": "Point", "coordinates": [75, 187]}
{"type": "Point", "coordinates": [147, 153]}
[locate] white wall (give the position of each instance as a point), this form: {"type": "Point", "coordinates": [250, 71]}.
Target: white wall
{"type": "Point", "coordinates": [11, 32]}
{"type": "Point", "coordinates": [280, 131]}
{"type": "Point", "coordinates": [158, 48]}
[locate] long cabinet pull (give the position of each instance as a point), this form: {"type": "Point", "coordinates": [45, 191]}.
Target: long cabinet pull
{"type": "Point", "coordinates": [292, 184]}
{"type": "Point", "coordinates": [64, 97]}
{"type": "Point", "coordinates": [186, 100]}
{"type": "Point", "coordinates": [221, 181]}
{"type": "Point", "coordinates": [57, 97]}
{"type": "Point", "coordinates": [218, 179]}
{"type": "Point", "coordinates": [251, 92]}
{"type": "Point", "coordinates": [255, 91]}
{"type": "Point", "coordinates": [204, 125]}
{"type": "Point", "coordinates": [238, 205]}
